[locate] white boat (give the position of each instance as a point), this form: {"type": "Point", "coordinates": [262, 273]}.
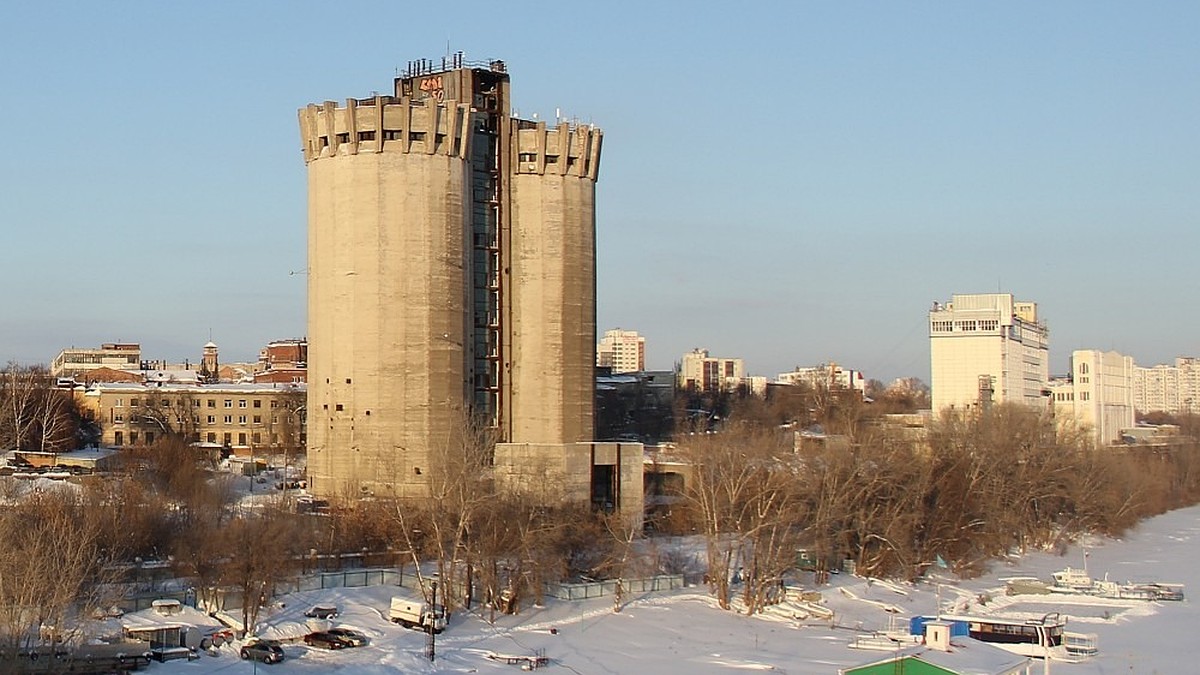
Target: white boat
{"type": "Point", "coordinates": [1044, 638]}
{"type": "Point", "coordinates": [1075, 581]}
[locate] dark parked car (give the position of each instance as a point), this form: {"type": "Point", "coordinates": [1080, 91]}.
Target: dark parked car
{"type": "Point", "coordinates": [267, 651]}
{"type": "Point", "coordinates": [324, 639]}
{"type": "Point", "coordinates": [351, 637]}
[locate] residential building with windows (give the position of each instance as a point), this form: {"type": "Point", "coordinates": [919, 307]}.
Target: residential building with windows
{"type": "Point", "coordinates": [1172, 389]}
{"type": "Point", "coordinates": [283, 361]}
{"type": "Point", "coordinates": [825, 376]}
{"type": "Point", "coordinates": [246, 418]}
{"type": "Point", "coordinates": [701, 372]}
{"type": "Point", "coordinates": [623, 351]}
{"type": "Point", "coordinates": [987, 348]}
{"type": "Point", "coordinates": [1098, 395]}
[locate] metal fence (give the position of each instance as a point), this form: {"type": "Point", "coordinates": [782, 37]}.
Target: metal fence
{"type": "Point", "coordinates": [599, 589]}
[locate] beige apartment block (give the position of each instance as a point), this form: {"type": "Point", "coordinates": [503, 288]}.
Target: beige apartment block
{"type": "Point", "coordinates": [246, 418]}
{"type": "Point", "coordinates": [699, 371]}
{"type": "Point", "coordinates": [624, 351]}
{"type": "Point", "coordinates": [987, 348]}
{"type": "Point", "coordinates": [451, 276]}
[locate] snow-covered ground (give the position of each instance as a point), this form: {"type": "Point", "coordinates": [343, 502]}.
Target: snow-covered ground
{"type": "Point", "coordinates": [683, 632]}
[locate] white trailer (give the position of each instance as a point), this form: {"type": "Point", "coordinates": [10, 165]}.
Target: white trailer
{"type": "Point", "coordinates": [415, 613]}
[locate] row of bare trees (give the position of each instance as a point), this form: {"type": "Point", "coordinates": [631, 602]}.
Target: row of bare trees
{"type": "Point", "coordinates": [975, 488]}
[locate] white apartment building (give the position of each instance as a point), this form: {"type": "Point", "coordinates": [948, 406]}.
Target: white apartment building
{"type": "Point", "coordinates": [702, 372]}
{"type": "Point", "coordinates": [826, 375]}
{"type": "Point", "coordinates": [987, 348]}
{"type": "Point", "coordinates": [1098, 395]}
{"type": "Point", "coordinates": [1170, 389]}
{"type": "Point", "coordinates": [622, 350]}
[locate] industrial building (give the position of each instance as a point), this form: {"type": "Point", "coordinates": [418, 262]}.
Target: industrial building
{"type": "Point", "coordinates": [451, 281]}
{"type": "Point", "coordinates": [987, 348]}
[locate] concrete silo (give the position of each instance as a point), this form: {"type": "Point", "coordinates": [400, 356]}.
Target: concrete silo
{"type": "Point", "coordinates": [451, 277]}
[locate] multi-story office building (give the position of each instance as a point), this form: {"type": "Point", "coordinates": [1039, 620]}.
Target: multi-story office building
{"type": "Point", "coordinates": [987, 348]}
{"type": "Point", "coordinates": [624, 351]}
{"type": "Point", "coordinates": [451, 276]}
{"type": "Point", "coordinates": [74, 362]}
{"type": "Point", "coordinates": [701, 372]}
{"type": "Point", "coordinates": [1098, 395]}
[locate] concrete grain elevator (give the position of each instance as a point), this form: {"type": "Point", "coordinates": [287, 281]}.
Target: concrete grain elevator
{"type": "Point", "coordinates": [451, 276]}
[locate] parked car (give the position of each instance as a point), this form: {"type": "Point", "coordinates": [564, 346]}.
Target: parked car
{"type": "Point", "coordinates": [267, 651]}
{"type": "Point", "coordinates": [350, 636]}
{"type": "Point", "coordinates": [324, 640]}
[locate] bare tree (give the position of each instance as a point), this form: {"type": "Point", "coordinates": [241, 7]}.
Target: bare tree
{"type": "Point", "coordinates": [52, 569]}
{"type": "Point", "coordinates": [35, 415]}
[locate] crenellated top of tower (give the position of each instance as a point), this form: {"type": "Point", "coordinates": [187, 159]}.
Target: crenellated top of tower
{"type": "Point", "coordinates": [441, 109]}
{"type": "Point", "coordinates": [566, 149]}
{"type": "Point", "coordinates": [384, 124]}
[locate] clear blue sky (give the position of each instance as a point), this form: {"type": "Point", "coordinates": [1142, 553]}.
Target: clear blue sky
{"type": "Point", "coordinates": [790, 182]}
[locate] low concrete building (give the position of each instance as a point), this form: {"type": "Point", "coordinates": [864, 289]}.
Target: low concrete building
{"type": "Point", "coordinates": [609, 476]}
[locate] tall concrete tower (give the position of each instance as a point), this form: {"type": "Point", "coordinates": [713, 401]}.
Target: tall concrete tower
{"type": "Point", "coordinates": [451, 268]}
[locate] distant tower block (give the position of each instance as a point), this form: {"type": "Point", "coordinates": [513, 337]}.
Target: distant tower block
{"type": "Point", "coordinates": [451, 275]}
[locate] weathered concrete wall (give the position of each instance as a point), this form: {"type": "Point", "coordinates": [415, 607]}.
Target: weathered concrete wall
{"type": "Point", "coordinates": [552, 301]}
{"type": "Point", "coordinates": [555, 473]}
{"type": "Point", "coordinates": [387, 293]}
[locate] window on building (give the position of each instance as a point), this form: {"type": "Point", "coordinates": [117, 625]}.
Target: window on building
{"type": "Point", "coordinates": [242, 438]}
{"type": "Point", "coordinates": [166, 403]}
{"type": "Point", "coordinates": [256, 438]}
{"type": "Point", "coordinates": [229, 419]}
{"type": "Point", "coordinates": [212, 403]}
{"type": "Point", "coordinates": [274, 404]}
{"type": "Point", "coordinates": [242, 403]}
{"type": "Point", "coordinates": [241, 419]}
{"type": "Point", "coordinates": [212, 437]}
{"type": "Point", "coordinates": [195, 403]}
{"type": "Point", "coordinates": [257, 403]}
{"type": "Point", "coordinates": [133, 402]}
{"type": "Point", "coordinates": [133, 438]}
{"type": "Point", "coordinates": [117, 403]}
{"type": "Point", "coordinates": [258, 419]}
{"type": "Point", "coordinates": [228, 403]}
{"type": "Point", "coordinates": [227, 439]}
{"type": "Point", "coordinates": [118, 418]}
{"type": "Point", "coordinates": [212, 419]}
{"type": "Point", "coordinates": [118, 438]}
